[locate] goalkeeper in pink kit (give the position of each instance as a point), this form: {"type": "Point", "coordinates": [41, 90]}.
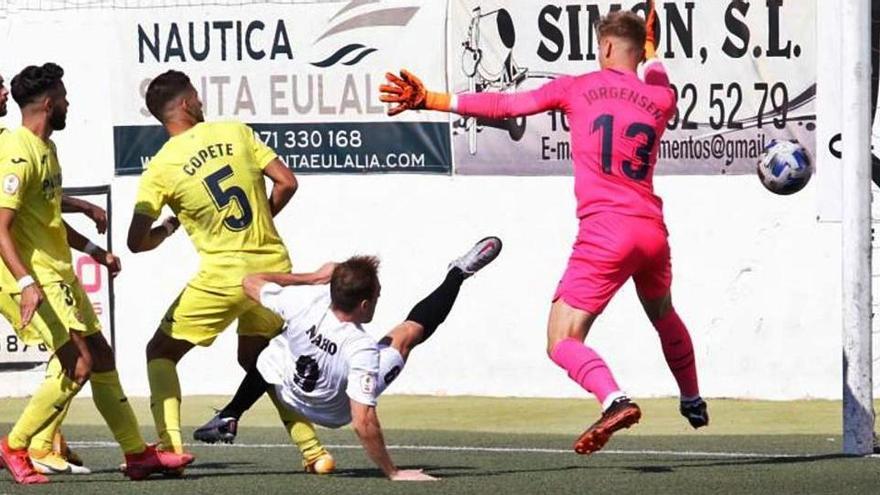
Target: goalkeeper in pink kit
{"type": "Point", "coordinates": [616, 123]}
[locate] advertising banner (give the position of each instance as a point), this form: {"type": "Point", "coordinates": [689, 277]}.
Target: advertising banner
{"type": "Point", "coordinates": [304, 75]}
{"type": "Point", "coordinates": [744, 74]}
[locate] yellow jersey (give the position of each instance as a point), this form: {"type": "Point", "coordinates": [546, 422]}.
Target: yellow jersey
{"type": "Point", "coordinates": [6, 278]}
{"type": "Point", "coordinates": [211, 177]}
{"type": "Point", "coordinates": [30, 184]}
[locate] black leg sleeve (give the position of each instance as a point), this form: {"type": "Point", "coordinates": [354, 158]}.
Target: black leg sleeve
{"type": "Point", "coordinates": [431, 311]}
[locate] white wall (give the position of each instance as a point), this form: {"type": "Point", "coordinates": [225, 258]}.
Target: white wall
{"type": "Point", "coordinates": [756, 279]}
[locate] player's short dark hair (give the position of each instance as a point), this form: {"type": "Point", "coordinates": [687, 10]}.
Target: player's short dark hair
{"type": "Point", "coordinates": [623, 24]}
{"type": "Point", "coordinates": [165, 88]}
{"type": "Point", "coordinates": [355, 280]}
{"type": "Point", "coordinates": [33, 82]}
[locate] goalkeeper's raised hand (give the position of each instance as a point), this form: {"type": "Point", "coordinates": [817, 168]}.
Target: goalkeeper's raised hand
{"type": "Point", "coordinates": [650, 35]}
{"type": "Point", "coordinates": [408, 93]}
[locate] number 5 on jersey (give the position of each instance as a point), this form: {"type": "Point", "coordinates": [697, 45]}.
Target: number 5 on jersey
{"type": "Point", "coordinates": [223, 199]}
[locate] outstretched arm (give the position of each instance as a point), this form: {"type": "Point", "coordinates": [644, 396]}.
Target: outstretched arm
{"type": "Point", "coordinates": [254, 282]}
{"type": "Point", "coordinates": [550, 96]}
{"type": "Point", "coordinates": [408, 92]}
{"type": "Point", "coordinates": [365, 422]}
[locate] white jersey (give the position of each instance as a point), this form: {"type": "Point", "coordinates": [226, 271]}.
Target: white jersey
{"type": "Point", "coordinates": [319, 363]}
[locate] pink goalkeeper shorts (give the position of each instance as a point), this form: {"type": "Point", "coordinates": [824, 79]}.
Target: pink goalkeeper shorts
{"type": "Point", "coordinates": [611, 248]}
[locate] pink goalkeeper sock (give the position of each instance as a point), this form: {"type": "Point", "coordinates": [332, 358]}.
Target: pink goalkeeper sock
{"type": "Point", "coordinates": [679, 353]}
{"type": "Point", "coordinates": [585, 367]}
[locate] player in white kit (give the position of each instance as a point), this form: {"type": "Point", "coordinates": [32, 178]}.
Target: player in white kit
{"type": "Point", "coordinates": [324, 365]}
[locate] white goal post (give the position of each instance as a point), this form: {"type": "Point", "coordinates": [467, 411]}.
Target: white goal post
{"type": "Point", "coordinates": [858, 409]}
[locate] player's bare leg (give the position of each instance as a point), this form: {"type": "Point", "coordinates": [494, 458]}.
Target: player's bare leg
{"type": "Point", "coordinates": [679, 353]}
{"type": "Point", "coordinates": [404, 337]}
{"type": "Point", "coordinates": [567, 329]}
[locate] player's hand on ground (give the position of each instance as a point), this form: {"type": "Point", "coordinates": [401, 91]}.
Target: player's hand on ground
{"type": "Point", "coordinates": [323, 274]}
{"type": "Point", "coordinates": [99, 216]}
{"type": "Point", "coordinates": [31, 298]}
{"type": "Point", "coordinates": [112, 262]}
{"type": "Point", "coordinates": [412, 475]}
{"type": "Point", "coordinates": [407, 91]}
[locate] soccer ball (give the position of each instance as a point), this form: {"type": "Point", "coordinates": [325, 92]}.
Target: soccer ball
{"type": "Point", "coordinates": [784, 167]}
{"type": "Point", "coordinates": [325, 464]}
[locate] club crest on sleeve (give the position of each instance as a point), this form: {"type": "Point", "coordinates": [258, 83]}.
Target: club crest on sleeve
{"type": "Point", "coordinates": [11, 183]}
{"type": "Point", "coordinates": [368, 384]}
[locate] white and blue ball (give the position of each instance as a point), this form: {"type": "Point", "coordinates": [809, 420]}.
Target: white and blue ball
{"type": "Point", "coordinates": [785, 167]}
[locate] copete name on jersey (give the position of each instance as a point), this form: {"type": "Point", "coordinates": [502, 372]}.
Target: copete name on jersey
{"type": "Point", "coordinates": [207, 153]}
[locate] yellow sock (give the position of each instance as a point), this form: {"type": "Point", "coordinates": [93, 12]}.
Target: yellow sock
{"type": "Point", "coordinates": [301, 431]}
{"type": "Point", "coordinates": [165, 402]}
{"type": "Point", "coordinates": [113, 405]}
{"type": "Point", "coordinates": [48, 402]}
{"type": "Point", "coordinates": [42, 441]}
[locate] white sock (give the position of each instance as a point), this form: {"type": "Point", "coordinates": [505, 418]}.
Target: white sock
{"type": "Point", "coordinates": [613, 396]}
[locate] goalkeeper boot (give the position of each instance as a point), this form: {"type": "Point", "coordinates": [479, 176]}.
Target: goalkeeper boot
{"type": "Point", "coordinates": [695, 412]}
{"type": "Point", "coordinates": [218, 429]}
{"type": "Point", "coordinates": [622, 413]}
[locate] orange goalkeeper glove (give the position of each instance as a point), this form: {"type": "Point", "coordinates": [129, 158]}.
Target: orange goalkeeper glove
{"type": "Point", "coordinates": [408, 92]}
{"type": "Point", "coordinates": [650, 35]}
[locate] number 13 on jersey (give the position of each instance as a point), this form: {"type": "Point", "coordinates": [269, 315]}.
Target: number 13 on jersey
{"type": "Point", "coordinates": [605, 125]}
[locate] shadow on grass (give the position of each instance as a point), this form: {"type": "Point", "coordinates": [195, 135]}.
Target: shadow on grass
{"type": "Point", "coordinates": [453, 472]}
{"type": "Point", "coordinates": [772, 461]}
{"type": "Point", "coordinates": [445, 471]}
{"type": "Point", "coordinates": [201, 470]}
{"type": "Point", "coordinates": [713, 463]}
{"type": "Point", "coordinates": [371, 472]}
{"type": "Point", "coordinates": [651, 469]}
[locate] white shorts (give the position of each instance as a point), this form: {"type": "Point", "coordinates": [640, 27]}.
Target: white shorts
{"type": "Point", "coordinates": [390, 365]}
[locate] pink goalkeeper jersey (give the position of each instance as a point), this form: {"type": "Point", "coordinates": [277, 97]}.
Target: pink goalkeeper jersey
{"type": "Point", "coordinates": [616, 123]}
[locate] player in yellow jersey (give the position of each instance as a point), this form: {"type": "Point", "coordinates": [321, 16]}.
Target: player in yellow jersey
{"type": "Point", "coordinates": [48, 450]}
{"type": "Point", "coordinates": [211, 175]}
{"type": "Point", "coordinates": [53, 308]}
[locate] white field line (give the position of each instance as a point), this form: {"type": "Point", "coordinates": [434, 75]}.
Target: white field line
{"type": "Point", "coordinates": [512, 450]}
